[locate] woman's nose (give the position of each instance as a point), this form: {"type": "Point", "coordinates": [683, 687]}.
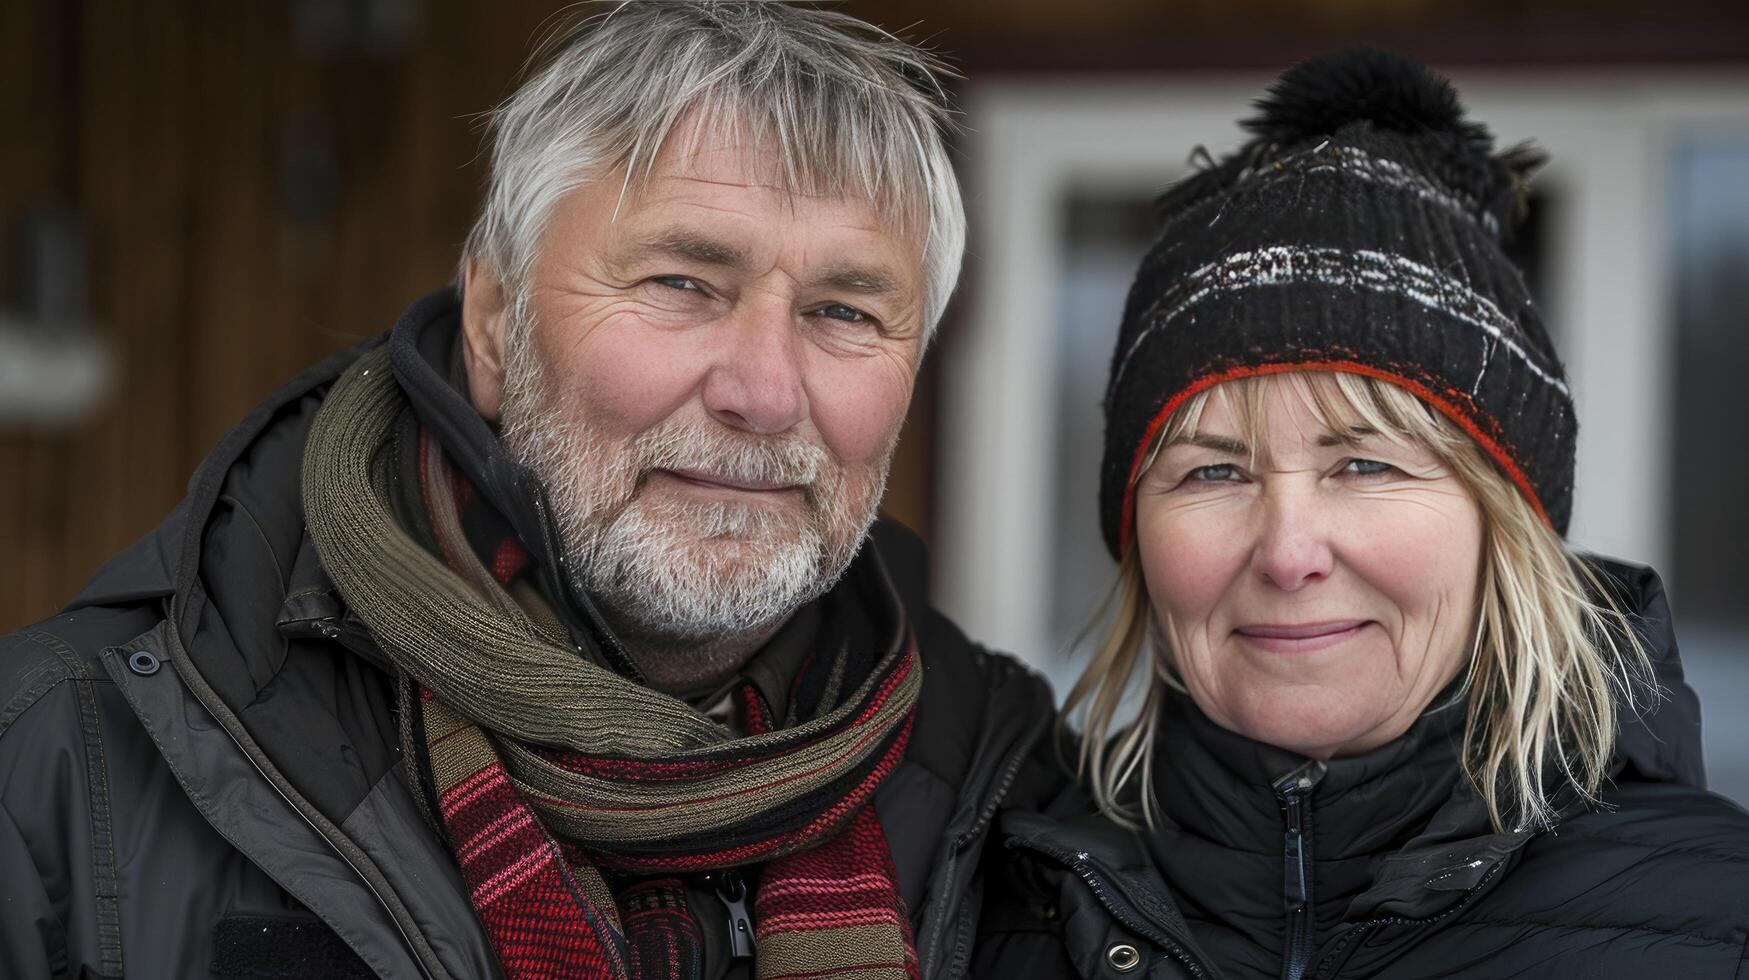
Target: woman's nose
{"type": "Point", "coordinates": [757, 383]}
{"type": "Point", "coordinates": [1294, 549]}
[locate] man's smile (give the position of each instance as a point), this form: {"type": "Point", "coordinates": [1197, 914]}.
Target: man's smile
{"type": "Point", "coordinates": [721, 484]}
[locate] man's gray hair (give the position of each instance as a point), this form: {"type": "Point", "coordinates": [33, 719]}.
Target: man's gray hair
{"type": "Point", "coordinates": [847, 110]}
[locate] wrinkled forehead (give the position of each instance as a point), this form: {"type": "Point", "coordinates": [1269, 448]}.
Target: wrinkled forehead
{"type": "Point", "coordinates": [732, 143]}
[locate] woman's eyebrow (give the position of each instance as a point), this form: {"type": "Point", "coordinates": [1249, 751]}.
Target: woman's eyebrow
{"type": "Point", "coordinates": [1351, 436]}
{"type": "Point", "coordinates": [1220, 444]}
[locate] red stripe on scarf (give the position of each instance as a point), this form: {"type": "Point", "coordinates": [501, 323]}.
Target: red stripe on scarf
{"type": "Point", "coordinates": [847, 881]}
{"type": "Point", "coordinates": [749, 791]}
{"type": "Point", "coordinates": [539, 922]}
{"type": "Point", "coordinates": [767, 849]}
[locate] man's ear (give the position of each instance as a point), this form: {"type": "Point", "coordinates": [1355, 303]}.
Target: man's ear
{"type": "Point", "coordinates": [484, 315]}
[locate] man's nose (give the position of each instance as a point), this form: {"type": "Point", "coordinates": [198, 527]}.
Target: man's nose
{"type": "Point", "coordinates": [1293, 549]}
{"type": "Point", "coordinates": [757, 381]}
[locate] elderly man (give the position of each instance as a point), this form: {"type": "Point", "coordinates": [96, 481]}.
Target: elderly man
{"type": "Point", "coordinates": [553, 633]}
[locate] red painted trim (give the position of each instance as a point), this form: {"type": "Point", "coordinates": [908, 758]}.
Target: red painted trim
{"type": "Point", "coordinates": [1127, 523]}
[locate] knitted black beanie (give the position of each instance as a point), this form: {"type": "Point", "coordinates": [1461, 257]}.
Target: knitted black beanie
{"type": "Point", "coordinates": [1359, 230]}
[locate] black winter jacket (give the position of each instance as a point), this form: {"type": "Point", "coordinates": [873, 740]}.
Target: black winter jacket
{"type": "Point", "coordinates": [1264, 864]}
{"type": "Point", "coordinates": [199, 770]}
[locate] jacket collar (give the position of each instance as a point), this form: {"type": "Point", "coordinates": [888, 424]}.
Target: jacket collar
{"type": "Point", "coordinates": [1403, 812]}
{"type": "Point", "coordinates": [1223, 786]}
{"type": "Point", "coordinates": [422, 350]}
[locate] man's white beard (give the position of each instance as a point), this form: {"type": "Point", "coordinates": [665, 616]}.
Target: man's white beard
{"type": "Point", "coordinates": [675, 575]}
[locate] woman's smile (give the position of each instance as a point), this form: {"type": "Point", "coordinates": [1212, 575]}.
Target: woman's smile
{"type": "Point", "coordinates": [1301, 637]}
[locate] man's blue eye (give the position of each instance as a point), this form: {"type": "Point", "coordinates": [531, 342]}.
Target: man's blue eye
{"type": "Point", "coordinates": [677, 282]}
{"type": "Point", "coordinates": [838, 311]}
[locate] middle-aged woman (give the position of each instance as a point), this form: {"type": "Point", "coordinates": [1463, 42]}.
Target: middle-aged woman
{"type": "Point", "coordinates": [1392, 726]}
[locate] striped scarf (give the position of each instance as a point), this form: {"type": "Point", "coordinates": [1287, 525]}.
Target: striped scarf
{"type": "Point", "coordinates": [572, 797]}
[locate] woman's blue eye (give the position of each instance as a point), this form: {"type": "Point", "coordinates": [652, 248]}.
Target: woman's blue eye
{"type": "Point", "coordinates": [1217, 473]}
{"type": "Point", "coordinates": [1368, 467]}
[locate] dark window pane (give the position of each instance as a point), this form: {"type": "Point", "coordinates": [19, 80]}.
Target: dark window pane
{"type": "Point", "coordinates": [1710, 253]}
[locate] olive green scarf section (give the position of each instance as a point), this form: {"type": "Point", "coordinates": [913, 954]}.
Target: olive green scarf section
{"type": "Point", "coordinates": [490, 661]}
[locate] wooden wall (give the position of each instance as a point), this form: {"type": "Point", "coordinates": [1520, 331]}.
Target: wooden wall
{"type": "Point", "coordinates": [259, 190]}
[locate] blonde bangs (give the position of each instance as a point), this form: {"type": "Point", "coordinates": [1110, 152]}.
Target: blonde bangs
{"type": "Point", "coordinates": [1341, 402]}
{"type": "Point", "coordinates": [1553, 658]}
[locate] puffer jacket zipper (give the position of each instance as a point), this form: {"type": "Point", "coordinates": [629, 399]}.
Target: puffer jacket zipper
{"type": "Point", "coordinates": [1294, 792]}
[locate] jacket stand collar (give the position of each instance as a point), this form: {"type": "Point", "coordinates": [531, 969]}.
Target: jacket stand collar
{"type": "Point", "coordinates": [1405, 809]}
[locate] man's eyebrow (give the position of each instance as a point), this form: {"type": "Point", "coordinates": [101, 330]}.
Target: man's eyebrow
{"type": "Point", "coordinates": [1350, 436]}
{"type": "Point", "coordinates": [1220, 444]}
{"type": "Point", "coordinates": [679, 244]}
{"type": "Point", "coordinates": [866, 280]}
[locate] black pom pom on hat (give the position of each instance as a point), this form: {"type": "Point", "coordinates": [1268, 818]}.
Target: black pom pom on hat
{"type": "Point", "coordinates": [1319, 96]}
{"type": "Point", "coordinates": [1358, 230]}
{"type": "Point", "coordinates": [1393, 92]}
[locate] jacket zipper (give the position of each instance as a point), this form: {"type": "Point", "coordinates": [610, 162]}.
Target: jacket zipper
{"type": "Point", "coordinates": [429, 970]}
{"type": "Point", "coordinates": [1007, 773]}
{"type": "Point", "coordinates": [1119, 907]}
{"type": "Point", "coordinates": [1294, 793]}
{"type": "Point", "coordinates": [732, 891]}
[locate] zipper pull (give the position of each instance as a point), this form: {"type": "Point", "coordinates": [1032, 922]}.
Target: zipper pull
{"type": "Point", "coordinates": [1294, 890]}
{"type": "Point", "coordinates": [733, 892]}
{"type": "Point", "coordinates": [1293, 792]}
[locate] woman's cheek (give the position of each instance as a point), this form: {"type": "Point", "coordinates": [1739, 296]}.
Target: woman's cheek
{"type": "Point", "coordinates": [1412, 547]}
{"type": "Point", "coordinates": [1190, 557]}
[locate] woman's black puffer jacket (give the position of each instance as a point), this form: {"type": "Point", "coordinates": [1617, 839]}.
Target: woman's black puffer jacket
{"type": "Point", "coordinates": [1264, 864]}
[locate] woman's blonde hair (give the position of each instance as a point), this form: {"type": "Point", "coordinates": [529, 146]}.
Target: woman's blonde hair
{"type": "Point", "coordinates": [1553, 651]}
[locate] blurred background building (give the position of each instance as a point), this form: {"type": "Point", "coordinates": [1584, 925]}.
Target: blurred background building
{"type": "Point", "coordinates": [200, 197]}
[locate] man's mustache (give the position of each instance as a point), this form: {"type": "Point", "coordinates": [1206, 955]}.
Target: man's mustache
{"type": "Point", "coordinates": [708, 448]}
